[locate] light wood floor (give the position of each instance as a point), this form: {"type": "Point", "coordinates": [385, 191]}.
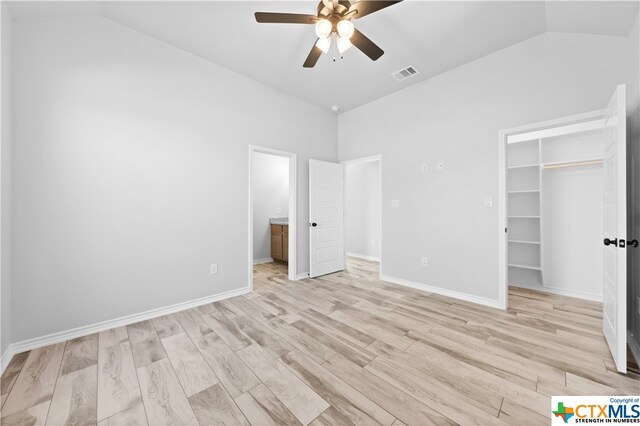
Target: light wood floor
{"type": "Point", "coordinates": [342, 349]}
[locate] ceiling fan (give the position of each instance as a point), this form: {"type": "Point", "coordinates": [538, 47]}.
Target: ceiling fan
{"type": "Point", "coordinates": [333, 22]}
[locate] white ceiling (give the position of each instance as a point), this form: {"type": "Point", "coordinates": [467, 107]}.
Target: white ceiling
{"type": "Point", "coordinates": [432, 36]}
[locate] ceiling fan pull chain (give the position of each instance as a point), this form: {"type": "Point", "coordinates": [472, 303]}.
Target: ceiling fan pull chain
{"type": "Point", "coordinates": [333, 48]}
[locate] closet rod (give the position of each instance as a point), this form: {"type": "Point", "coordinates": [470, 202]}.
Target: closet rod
{"type": "Point", "coordinates": [571, 164]}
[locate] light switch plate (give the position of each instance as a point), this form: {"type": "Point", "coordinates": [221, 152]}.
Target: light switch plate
{"type": "Point", "coordinates": [441, 165]}
{"type": "Point", "coordinates": [423, 261]}
{"type": "Point", "coordinates": [213, 269]}
{"type": "Point", "coordinates": [488, 201]}
{"type": "Point", "coordinates": [395, 204]}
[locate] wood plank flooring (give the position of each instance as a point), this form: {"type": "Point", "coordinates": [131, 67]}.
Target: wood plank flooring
{"type": "Point", "coordinates": [343, 349]}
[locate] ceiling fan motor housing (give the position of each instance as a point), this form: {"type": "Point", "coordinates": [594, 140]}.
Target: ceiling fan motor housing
{"type": "Point", "coordinates": [328, 8]}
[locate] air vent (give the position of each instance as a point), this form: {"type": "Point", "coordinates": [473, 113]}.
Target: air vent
{"type": "Point", "coordinates": [404, 73]}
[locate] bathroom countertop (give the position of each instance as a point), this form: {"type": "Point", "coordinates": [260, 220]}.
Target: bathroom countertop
{"type": "Point", "coordinates": [279, 221]}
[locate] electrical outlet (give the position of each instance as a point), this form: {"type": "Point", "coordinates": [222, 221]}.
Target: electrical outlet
{"type": "Point", "coordinates": [423, 261]}
{"type": "Point", "coordinates": [488, 201]}
{"type": "Point", "coordinates": [424, 168]}
{"type": "Point", "coordinates": [213, 269]}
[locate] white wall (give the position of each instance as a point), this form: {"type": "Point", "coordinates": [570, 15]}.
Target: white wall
{"type": "Point", "coordinates": [131, 172]}
{"type": "Point", "coordinates": [5, 179]}
{"type": "Point", "coordinates": [572, 229]}
{"type": "Point", "coordinates": [633, 109]}
{"type": "Point", "coordinates": [270, 177]}
{"type": "Point", "coordinates": [455, 117]}
{"type": "Point", "coordinates": [362, 209]}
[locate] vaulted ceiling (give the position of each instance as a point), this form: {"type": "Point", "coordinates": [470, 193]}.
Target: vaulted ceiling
{"type": "Point", "coordinates": [432, 36]}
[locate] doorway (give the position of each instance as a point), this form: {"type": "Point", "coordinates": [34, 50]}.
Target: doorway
{"type": "Point", "coordinates": [563, 221]}
{"type": "Point", "coordinates": [272, 214]}
{"type": "Point", "coordinates": [363, 214]}
{"type": "Point", "coordinates": [551, 215]}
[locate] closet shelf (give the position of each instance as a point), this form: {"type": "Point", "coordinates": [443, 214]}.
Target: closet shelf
{"type": "Point", "coordinates": [524, 191]}
{"type": "Point", "coordinates": [524, 166]}
{"type": "Point", "coordinates": [569, 129]}
{"type": "Point", "coordinates": [524, 217]}
{"type": "Point", "coordinates": [516, 265]}
{"type": "Point", "coordinates": [523, 242]}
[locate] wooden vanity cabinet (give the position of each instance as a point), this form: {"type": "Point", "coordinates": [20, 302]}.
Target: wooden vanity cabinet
{"type": "Point", "coordinates": [280, 242]}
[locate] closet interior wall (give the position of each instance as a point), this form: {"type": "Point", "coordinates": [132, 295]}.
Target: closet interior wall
{"type": "Point", "coordinates": [572, 215]}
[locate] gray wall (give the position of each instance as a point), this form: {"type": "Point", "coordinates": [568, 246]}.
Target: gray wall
{"type": "Point", "coordinates": [5, 179]}
{"type": "Point", "coordinates": [572, 225]}
{"type": "Point", "coordinates": [362, 209]}
{"type": "Point", "coordinates": [270, 177]}
{"type": "Point", "coordinates": [455, 117]}
{"type": "Point", "coordinates": [131, 172]}
{"type": "Point", "coordinates": [633, 109]}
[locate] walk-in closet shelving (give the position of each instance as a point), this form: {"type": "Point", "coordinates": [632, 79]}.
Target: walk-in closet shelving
{"type": "Point", "coordinates": [549, 172]}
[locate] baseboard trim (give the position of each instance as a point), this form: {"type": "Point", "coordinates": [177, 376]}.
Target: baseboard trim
{"type": "Point", "coordinates": [560, 292]}
{"type": "Point", "coordinates": [364, 257]}
{"type": "Point", "coordinates": [442, 291]}
{"type": "Point", "coordinates": [634, 346]}
{"type": "Point", "coordinates": [261, 261]}
{"type": "Point", "coordinates": [302, 276]}
{"type": "Point", "coordinates": [7, 356]}
{"type": "Point", "coordinates": [61, 336]}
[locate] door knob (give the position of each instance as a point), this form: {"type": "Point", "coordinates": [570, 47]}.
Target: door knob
{"type": "Point", "coordinates": [314, 224]}
{"type": "Point", "coordinates": [608, 241]}
{"type": "Point", "coordinates": [632, 243]}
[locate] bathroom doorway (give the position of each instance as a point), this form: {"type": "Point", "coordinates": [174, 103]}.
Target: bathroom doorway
{"type": "Point", "coordinates": [272, 218]}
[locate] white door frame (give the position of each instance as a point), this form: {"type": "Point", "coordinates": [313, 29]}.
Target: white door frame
{"type": "Point", "coordinates": [363, 160]}
{"type": "Point", "coordinates": [503, 135]}
{"type": "Point", "coordinates": [293, 203]}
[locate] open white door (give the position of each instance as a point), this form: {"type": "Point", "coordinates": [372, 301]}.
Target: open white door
{"type": "Point", "coordinates": [326, 217]}
{"type": "Point", "coordinates": [615, 228]}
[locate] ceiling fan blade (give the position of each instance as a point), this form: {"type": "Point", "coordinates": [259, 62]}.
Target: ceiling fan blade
{"type": "Point", "coordinates": [367, 7]}
{"type": "Point", "coordinates": [284, 18]}
{"type": "Point", "coordinates": [367, 47]}
{"type": "Point", "coordinates": [313, 57]}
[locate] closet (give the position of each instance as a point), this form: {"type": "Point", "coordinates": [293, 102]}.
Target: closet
{"type": "Point", "coordinates": [555, 209]}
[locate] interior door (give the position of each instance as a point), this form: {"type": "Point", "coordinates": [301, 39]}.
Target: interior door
{"type": "Point", "coordinates": [615, 228]}
{"type": "Point", "coordinates": [326, 217]}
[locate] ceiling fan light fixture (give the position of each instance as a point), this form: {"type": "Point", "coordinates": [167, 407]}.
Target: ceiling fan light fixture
{"type": "Point", "coordinates": [345, 28]}
{"type": "Point", "coordinates": [332, 20]}
{"type": "Point", "coordinates": [343, 44]}
{"type": "Point", "coordinates": [323, 28]}
{"type": "Point", "coordinates": [324, 44]}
